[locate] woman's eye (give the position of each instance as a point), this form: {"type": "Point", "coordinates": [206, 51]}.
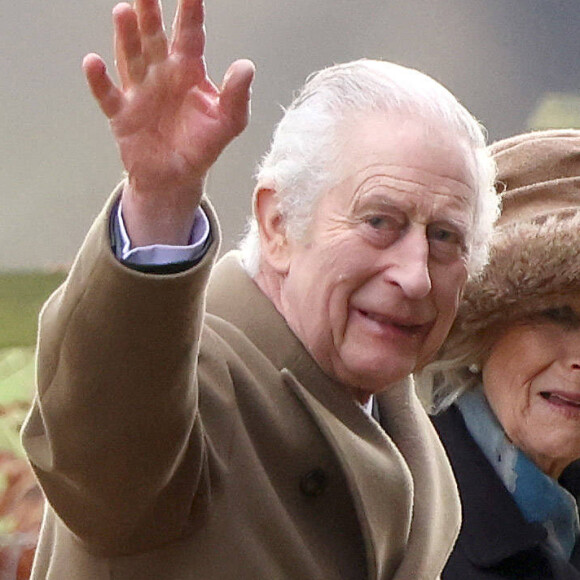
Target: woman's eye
{"type": "Point", "coordinates": [564, 315]}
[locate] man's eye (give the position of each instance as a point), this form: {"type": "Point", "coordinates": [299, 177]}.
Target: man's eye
{"type": "Point", "coordinates": [445, 244]}
{"type": "Point", "coordinates": [439, 234]}
{"type": "Point", "coordinates": [381, 222]}
{"type": "Point", "coordinates": [383, 229]}
{"type": "Point", "coordinates": [564, 315]}
{"type": "Point", "coordinates": [375, 221]}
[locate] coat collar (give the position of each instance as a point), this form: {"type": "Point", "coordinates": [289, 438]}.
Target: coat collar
{"type": "Point", "coordinates": [383, 464]}
{"type": "Point", "coordinates": [359, 443]}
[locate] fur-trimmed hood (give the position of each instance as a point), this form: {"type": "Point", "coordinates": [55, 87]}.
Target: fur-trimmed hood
{"type": "Point", "coordinates": [535, 249]}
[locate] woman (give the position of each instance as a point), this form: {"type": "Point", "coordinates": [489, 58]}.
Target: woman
{"type": "Point", "coordinates": [506, 386]}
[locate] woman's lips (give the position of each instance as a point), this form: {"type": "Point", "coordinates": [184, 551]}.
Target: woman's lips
{"type": "Point", "coordinates": [569, 400]}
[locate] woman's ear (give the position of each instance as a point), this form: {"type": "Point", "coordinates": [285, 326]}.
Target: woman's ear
{"type": "Point", "coordinates": [274, 244]}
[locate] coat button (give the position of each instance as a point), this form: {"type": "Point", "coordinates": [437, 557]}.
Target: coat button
{"type": "Point", "coordinates": [313, 483]}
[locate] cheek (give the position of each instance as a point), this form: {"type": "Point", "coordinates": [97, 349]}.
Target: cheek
{"type": "Point", "coordinates": [509, 398]}
{"type": "Point", "coordinates": [509, 408]}
{"type": "Point", "coordinates": [323, 302]}
{"type": "Point", "coordinates": [448, 284]}
{"type": "Point", "coordinates": [446, 304]}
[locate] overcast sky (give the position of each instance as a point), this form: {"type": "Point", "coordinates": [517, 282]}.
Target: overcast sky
{"type": "Point", "coordinates": [59, 162]}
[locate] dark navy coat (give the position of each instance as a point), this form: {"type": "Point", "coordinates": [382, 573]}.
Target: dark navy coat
{"type": "Point", "coordinates": [495, 542]}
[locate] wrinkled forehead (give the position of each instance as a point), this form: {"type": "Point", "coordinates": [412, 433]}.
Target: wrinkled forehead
{"type": "Point", "coordinates": [418, 141]}
{"type": "Point", "coordinates": [422, 195]}
{"type": "Point", "coordinates": [408, 161]}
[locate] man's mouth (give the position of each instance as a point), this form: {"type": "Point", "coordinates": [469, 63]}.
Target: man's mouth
{"type": "Point", "coordinates": [408, 326]}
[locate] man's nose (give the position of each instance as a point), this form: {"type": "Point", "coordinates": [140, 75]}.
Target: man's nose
{"type": "Point", "coordinates": [408, 264]}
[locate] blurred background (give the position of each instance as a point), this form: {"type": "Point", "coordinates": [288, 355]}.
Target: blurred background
{"type": "Point", "coordinates": [515, 64]}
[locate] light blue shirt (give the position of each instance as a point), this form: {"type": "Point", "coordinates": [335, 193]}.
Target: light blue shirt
{"type": "Point", "coordinates": [160, 254]}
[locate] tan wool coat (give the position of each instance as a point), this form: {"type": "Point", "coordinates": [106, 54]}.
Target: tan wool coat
{"type": "Point", "coordinates": [177, 439]}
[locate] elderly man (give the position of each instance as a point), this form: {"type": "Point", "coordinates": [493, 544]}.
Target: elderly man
{"type": "Point", "coordinates": [261, 423]}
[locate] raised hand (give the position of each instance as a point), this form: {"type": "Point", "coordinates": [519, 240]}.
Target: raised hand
{"type": "Point", "coordinates": [170, 121]}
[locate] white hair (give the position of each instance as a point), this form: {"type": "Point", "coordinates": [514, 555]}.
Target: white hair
{"type": "Point", "coordinates": [302, 161]}
{"type": "Point", "coordinates": [442, 382]}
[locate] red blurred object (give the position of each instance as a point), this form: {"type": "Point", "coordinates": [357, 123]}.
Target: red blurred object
{"type": "Point", "coordinates": [21, 507]}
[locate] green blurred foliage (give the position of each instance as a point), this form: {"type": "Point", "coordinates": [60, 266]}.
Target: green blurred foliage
{"type": "Point", "coordinates": [16, 375]}
{"type": "Point", "coordinates": [556, 111]}
{"type": "Point", "coordinates": [21, 297]}
{"type": "Point", "coordinates": [16, 391]}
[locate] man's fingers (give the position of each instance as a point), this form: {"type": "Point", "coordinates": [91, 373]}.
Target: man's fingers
{"type": "Point", "coordinates": [149, 16]}
{"type": "Point", "coordinates": [153, 38]}
{"type": "Point", "coordinates": [188, 29]}
{"type": "Point", "coordinates": [128, 51]}
{"type": "Point", "coordinates": [235, 93]}
{"type": "Point", "coordinates": [105, 92]}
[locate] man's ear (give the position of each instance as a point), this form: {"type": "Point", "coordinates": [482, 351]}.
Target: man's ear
{"type": "Point", "coordinates": [272, 226]}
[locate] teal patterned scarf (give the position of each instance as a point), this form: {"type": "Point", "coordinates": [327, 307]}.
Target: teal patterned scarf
{"type": "Point", "coordinates": [539, 497]}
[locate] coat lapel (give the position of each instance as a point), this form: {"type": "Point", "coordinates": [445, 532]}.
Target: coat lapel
{"type": "Point", "coordinates": [392, 468]}
{"type": "Point", "coordinates": [436, 507]}
{"type": "Point", "coordinates": [377, 474]}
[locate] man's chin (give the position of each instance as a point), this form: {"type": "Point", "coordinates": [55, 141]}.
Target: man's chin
{"type": "Point", "coordinates": [375, 379]}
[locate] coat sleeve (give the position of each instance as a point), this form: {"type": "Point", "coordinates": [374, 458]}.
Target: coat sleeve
{"type": "Point", "coordinates": [114, 434]}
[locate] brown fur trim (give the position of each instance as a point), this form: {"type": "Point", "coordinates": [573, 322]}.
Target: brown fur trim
{"type": "Point", "coordinates": [534, 265]}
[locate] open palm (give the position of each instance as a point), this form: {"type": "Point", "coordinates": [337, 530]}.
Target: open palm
{"type": "Point", "coordinates": [169, 119]}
